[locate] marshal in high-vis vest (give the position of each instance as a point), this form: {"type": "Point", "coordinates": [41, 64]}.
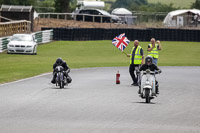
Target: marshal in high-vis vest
{"type": "Point", "coordinates": [136, 59]}
{"type": "Point", "coordinates": [153, 49]}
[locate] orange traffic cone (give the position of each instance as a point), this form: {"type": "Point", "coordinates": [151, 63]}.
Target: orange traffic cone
{"type": "Point", "coordinates": [117, 78]}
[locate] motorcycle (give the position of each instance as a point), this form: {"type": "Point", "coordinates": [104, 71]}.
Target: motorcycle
{"type": "Point", "coordinates": [147, 85]}
{"type": "Point", "coordinates": [61, 79]}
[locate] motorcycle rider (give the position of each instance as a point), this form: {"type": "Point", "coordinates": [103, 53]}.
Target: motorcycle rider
{"type": "Point", "coordinates": [152, 67]}
{"type": "Point", "coordinates": [60, 62]}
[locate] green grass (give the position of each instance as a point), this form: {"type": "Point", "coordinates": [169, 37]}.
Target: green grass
{"type": "Point", "coordinates": [177, 3]}
{"type": "Point", "coordinates": [80, 54]}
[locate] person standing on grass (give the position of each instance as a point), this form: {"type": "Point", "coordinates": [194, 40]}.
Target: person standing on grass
{"type": "Point", "coordinates": [136, 59]}
{"type": "Point", "coordinates": [153, 50]}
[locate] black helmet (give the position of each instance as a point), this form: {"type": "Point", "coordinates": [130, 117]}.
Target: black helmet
{"type": "Point", "coordinates": [59, 61]}
{"type": "Point", "coordinates": [148, 60]}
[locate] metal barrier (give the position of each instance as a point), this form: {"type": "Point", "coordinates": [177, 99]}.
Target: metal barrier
{"type": "Point", "coordinates": [13, 27]}
{"type": "Point", "coordinates": [3, 43]}
{"type": "Point", "coordinates": [44, 36]}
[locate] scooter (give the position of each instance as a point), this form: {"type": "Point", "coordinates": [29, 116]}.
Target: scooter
{"type": "Point", "coordinates": [147, 85]}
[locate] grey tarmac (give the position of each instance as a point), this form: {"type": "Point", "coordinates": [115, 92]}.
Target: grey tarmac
{"type": "Point", "coordinates": [93, 103]}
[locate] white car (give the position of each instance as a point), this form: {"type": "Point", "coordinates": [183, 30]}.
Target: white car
{"type": "Point", "coordinates": [22, 43]}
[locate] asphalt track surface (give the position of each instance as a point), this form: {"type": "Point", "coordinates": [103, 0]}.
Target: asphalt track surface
{"type": "Point", "coordinates": [93, 103]}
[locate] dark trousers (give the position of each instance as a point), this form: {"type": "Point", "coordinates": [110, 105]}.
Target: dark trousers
{"type": "Point", "coordinates": [132, 72]}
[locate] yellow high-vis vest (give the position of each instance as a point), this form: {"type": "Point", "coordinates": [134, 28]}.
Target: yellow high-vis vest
{"type": "Point", "coordinates": [154, 51]}
{"type": "Point", "coordinates": [137, 57]}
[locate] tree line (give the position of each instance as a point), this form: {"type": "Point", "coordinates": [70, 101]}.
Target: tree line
{"type": "Point", "coordinates": [143, 5]}
{"type": "Point", "coordinates": [70, 5]}
{"type": "Point", "coordinates": [43, 5]}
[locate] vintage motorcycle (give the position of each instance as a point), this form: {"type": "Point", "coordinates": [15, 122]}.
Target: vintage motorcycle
{"type": "Point", "coordinates": [147, 85]}
{"type": "Point", "coordinates": [61, 79]}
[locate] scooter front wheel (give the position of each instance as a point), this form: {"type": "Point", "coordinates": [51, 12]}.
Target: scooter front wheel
{"type": "Point", "coordinates": [147, 97]}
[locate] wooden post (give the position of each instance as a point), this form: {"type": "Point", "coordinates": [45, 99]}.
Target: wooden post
{"type": "Point", "coordinates": [93, 18]}
{"type": "Point", "coordinates": [83, 18]}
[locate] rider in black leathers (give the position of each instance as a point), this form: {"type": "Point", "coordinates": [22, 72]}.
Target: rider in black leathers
{"type": "Point", "coordinates": [152, 67]}
{"type": "Point", "coordinates": [60, 62]}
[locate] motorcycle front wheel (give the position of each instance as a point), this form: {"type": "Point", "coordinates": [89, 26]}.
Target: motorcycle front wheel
{"type": "Point", "coordinates": [147, 97]}
{"type": "Point", "coordinates": [61, 84]}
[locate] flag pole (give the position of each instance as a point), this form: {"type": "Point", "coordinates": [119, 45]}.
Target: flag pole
{"type": "Point", "coordinates": [125, 53]}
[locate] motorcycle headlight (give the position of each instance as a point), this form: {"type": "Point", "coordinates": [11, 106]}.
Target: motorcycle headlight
{"type": "Point", "coordinates": [147, 83]}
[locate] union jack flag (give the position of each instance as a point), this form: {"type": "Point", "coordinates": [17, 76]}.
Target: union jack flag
{"type": "Point", "coordinates": [120, 42]}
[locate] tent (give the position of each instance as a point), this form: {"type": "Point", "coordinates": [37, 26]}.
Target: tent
{"type": "Point", "coordinates": [181, 17]}
{"type": "Point", "coordinates": [124, 14]}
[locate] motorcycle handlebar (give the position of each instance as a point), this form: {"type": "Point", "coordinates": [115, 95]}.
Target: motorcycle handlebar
{"type": "Point", "coordinates": [151, 72]}
{"type": "Point", "coordinates": [158, 72]}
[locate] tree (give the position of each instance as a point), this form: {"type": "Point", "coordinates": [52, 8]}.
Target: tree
{"type": "Point", "coordinates": [72, 5]}
{"type": "Point", "coordinates": [129, 3]}
{"type": "Point", "coordinates": [157, 7]}
{"type": "Point", "coordinates": [18, 2]}
{"type": "Point", "coordinates": [26, 2]}
{"type": "Point", "coordinates": [45, 6]}
{"type": "Point", "coordinates": [62, 5]}
{"type": "Point", "coordinates": [196, 4]}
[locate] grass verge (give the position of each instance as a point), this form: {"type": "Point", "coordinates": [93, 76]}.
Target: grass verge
{"type": "Point", "coordinates": [79, 54]}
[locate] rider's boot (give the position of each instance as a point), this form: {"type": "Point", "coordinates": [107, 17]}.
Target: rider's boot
{"type": "Point", "coordinates": [69, 79]}
{"type": "Point", "coordinates": [157, 90]}
{"type": "Point", "coordinates": [53, 81]}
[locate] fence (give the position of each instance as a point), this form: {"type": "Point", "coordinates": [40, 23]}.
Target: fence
{"type": "Point", "coordinates": [85, 17]}
{"type": "Point", "coordinates": [150, 17]}
{"type": "Point", "coordinates": [132, 34]}
{"type": "Point", "coordinates": [9, 28]}
{"type": "Point", "coordinates": [137, 18]}
{"type": "Point", "coordinates": [41, 37]}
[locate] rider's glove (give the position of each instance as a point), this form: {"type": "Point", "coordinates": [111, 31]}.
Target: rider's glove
{"type": "Point", "coordinates": [160, 71]}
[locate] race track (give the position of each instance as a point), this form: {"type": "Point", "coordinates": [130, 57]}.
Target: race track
{"type": "Point", "coordinates": [93, 103]}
